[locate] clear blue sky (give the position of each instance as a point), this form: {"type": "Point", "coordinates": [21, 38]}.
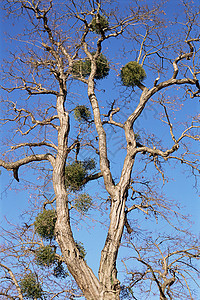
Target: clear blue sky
{"type": "Point", "coordinates": [13, 203]}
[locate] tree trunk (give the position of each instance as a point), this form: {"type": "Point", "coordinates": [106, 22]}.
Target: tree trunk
{"type": "Point", "coordinates": [76, 265]}
{"type": "Point", "coordinates": [110, 285]}
{"type": "Point", "coordinates": [85, 278]}
{"type": "Point", "coordinates": [107, 270]}
{"type": "Point", "coordinates": [163, 297]}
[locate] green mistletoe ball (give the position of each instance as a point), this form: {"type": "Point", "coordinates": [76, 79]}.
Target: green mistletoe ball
{"type": "Point", "coordinates": [132, 74]}
{"type": "Point", "coordinates": [76, 172]}
{"type": "Point", "coordinates": [45, 224]}
{"type": "Point", "coordinates": [30, 287]}
{"type": "Point", "coordinates": [100, 24]}
{"type": "Point", "coordinates": [82, 113]}
{"type": "Point", "coordinates": [45, 256]}
{"type": "Point", "coordinates": [82, 68]}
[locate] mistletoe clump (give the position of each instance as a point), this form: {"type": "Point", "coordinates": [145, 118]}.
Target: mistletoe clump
{"type": "Point", "coordinates": [76, 172]}
{"type": "Point", "coordinates": [132, 74]}
{"type": "Point", "coordinates": [82, 68]}
{"type": "Point", "coordinates": [103, 67]}
{"type": "Point", "coordinates": [45, 224]}
{"type": "Point", "coordinates": [45, 256]}
{"type": "Point", "coordinates": [97, 25]}
{"type": "Point", "coordinates": [81, 249]}
{"type": "Point", "coordinates": [59, 271]}
{"type": "Point", "coordinates": [83, 202]}
{"type": "Point", "coordinates": [30, 287]}
{"type": "Point", "coordinates": [74, 175]}
{"type": "Point", "coordinates": [82, 113]}
{"type": "Point", "coordinates": [89, 164]}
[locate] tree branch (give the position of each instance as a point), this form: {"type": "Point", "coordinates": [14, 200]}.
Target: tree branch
{"type": "Point", "coordinates": [51, 145]}
{"type": "Point", "coordinates": [14, 280]}
{"type": "Point", "coordinates": [15, 165]}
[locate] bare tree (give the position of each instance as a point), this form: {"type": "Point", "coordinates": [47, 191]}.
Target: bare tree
{"type": "Point", "coordinates": [61, 57]}
{"type": "Point", "coordinates": [19, 260]}
{"type": "Point", "coordinates": [168, 263]}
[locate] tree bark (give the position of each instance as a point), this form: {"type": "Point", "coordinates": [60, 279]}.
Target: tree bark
{"type": "Point", "coordinates": [83, 275]}
{"type": "Point", "coordinates": [110, 285]}
{"type": "Point", "coordinates": [107, 271]}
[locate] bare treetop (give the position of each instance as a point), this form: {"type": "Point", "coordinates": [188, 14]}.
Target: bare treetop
{"type": "Point", "coordinates": [99, 94]}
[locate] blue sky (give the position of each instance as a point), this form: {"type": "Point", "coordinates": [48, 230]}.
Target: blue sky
{"type": "Point", "coordinates": [181, 188]}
